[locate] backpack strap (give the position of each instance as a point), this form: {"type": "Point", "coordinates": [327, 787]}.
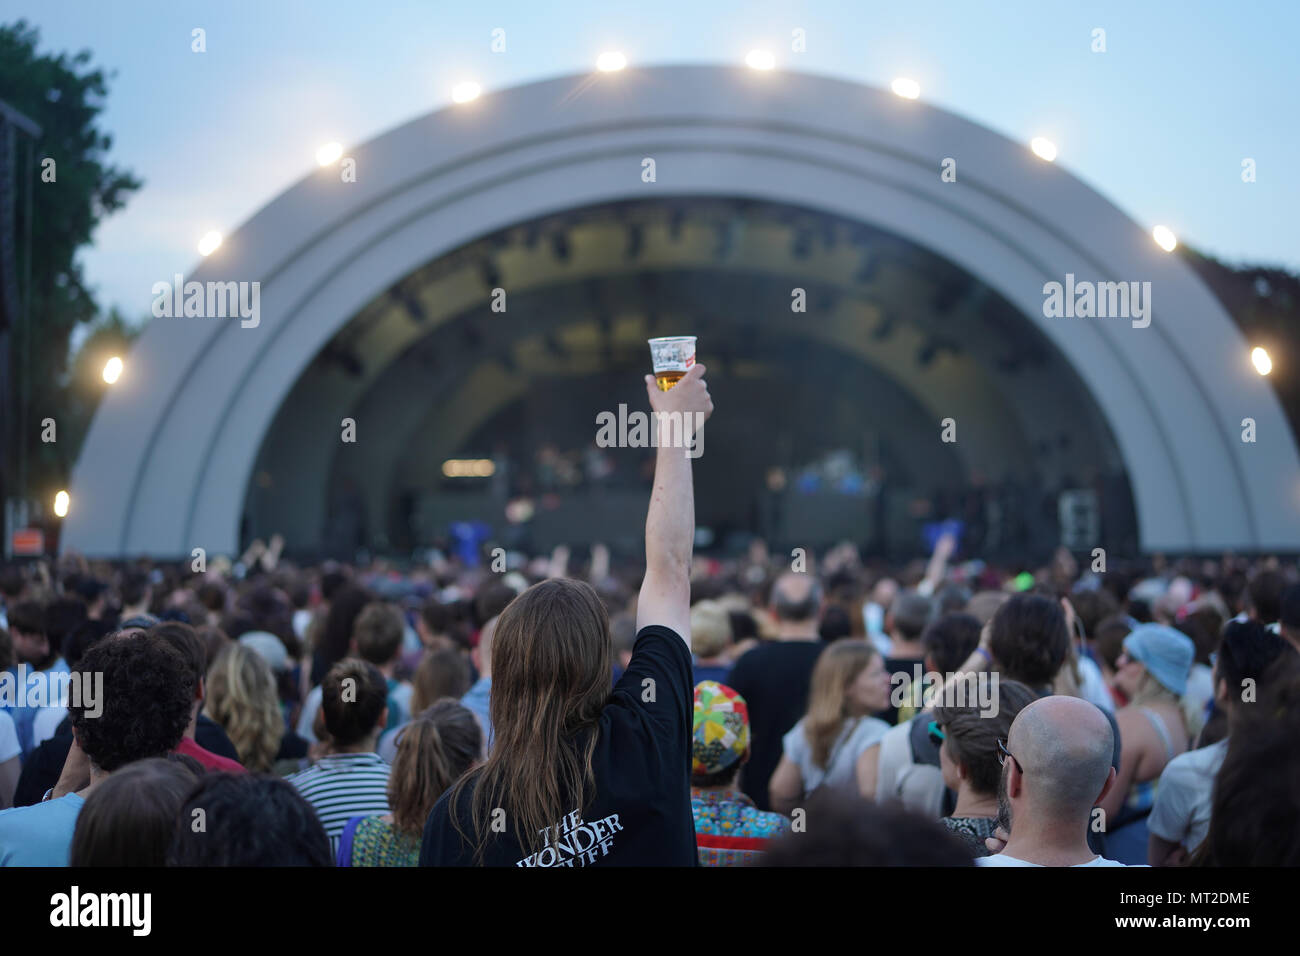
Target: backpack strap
{"type": "Point", "coordinates": [344, 857]}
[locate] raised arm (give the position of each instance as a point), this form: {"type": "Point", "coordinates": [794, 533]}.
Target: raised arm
{"type": "Point", "coordinates": [670, 521]}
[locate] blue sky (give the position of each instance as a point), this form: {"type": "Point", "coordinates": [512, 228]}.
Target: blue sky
{"type": "Point", "coordinates": [1159, 123]}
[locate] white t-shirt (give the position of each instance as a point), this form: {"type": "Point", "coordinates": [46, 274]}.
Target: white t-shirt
{"type": "Point", "coordinates": [1181, 813]}
{"type": "Point", "coordinates": [1200, 689]}
{"type": "Point", "coordinates": [307, 716]}
{"type": "Point", "coordinates": [1001, 859]}
{"type": "Point", "coordinates": [1092, 685]}
{"type": "Point", "coordinates": [844, 754]}
{"type": "Point", "coordinates": [9, 747]}
{"type": "Point", "coordinates": [46, 723]}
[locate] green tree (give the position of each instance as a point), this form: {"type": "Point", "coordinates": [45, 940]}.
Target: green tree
{"type": "Point", "coordinates": [64, 95]}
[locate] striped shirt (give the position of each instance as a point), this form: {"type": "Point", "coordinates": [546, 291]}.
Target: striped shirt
{"type": "Point", "coordinates": [342, 786]}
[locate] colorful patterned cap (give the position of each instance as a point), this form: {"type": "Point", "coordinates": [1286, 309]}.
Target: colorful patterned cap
{"type": "Point", "coordinates": [721, 728]}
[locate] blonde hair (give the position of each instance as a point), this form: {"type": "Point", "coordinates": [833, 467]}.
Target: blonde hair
{"type": "Point", "coordinates": [836, 670]}
{"type": "Point", "coordinates": [710, 629]}
{"type": "Point", "coordinates": [242, 698]}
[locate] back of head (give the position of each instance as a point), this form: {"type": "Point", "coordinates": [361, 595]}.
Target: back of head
{"type": "Point", "coordinates": [971, 734]}
{"type": "Point", "coordinates": [1029, 639]}
{"type": "Point", "coordinates": [911, 612]}
{"type": "Point", "coordinates": [1065, 745]}
{"type": "Point", "coordinates": [128, 819]}
{"type": "Point", "coordinates": [344, 610]}
{"type": "Point", "coordinates": [1247, 655]}
{"type": "Point", "coordinates": [61, 616]}
{"type": "Point", "coordinates": [80, 638]}
{"type": "Point", "coordinates": [796, 597]}
{"type": "Point", "coordinates": [145, 692]}
{"type": "Point", "coordinates": [1109, 639]}
{"type": "Point", "coordinates": [242, 698]}
{"type": "Point", "coordinates": [1265, 592]}
{"type": "Point", "coordinates": [1093, 607]}
{"type": "Point", "coordinates": [491, 600]}
{"type": "Point", "coordinates": [187, 643]}
{"type": "Point", "coordinates": [378, 632]}
{"type": "Point", "coordinates": [710, 629]}
{"type": "Point", "coordinates": [550, 682]}
{"type": "Point", "coordinates": [433, 750]}
{"type": "Point", "coordinates": [853, 831]}
{"type": "Point", "coordinates": [353, 695]}
{"type": "Point", "coordinates": [950, 639]}
{"type": "Point", "coordinates": [248, 820]}
{"type": "Point", "coordinates": [440, 673]}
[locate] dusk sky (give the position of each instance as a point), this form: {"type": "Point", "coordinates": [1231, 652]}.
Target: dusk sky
{"type": "Point", "coordinates": [1159, 123]}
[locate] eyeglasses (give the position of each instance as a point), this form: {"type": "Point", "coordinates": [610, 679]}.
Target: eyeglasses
{"type": "Point", "coordinates": [937, 736]}
{"type": "Point", "coordinates": [1005, 753]}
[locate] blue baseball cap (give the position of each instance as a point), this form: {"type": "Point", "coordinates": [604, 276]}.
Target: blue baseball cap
{"type": "Point", "coordinates": [1167, 654]}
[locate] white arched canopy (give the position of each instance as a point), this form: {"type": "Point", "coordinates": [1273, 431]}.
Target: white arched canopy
{"type": "Point", "coordinates": [166, 465]}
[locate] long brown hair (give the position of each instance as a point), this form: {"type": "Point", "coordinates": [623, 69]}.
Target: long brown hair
{"type": "Point", "coordinates": [551, 673]}
{"type": "Point", "coordinates": [836, 670]}
{"type": "Point", "coordinates": [433, 750]}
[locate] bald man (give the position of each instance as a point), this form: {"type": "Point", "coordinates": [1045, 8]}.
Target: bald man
{"type": "Point", "coordinates": [1056, 767]}
{"type": "Point", "coordinates": [773, 677]}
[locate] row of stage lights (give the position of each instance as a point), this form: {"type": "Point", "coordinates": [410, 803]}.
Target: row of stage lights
{"type": "Point", "coordinates": [761, 61]}
{"type": "Point", "coordinates": [612, 61]}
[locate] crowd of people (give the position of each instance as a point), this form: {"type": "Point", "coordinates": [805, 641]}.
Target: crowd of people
{"type": "Point", "coordinates": [657, 709]}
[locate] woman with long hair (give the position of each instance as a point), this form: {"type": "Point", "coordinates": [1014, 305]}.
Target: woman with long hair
{"type": "Point", "coordinates": [1152, 673]}
{"type": "Point", "coordinates": [580, 775]}
{"type": "Point", "coordinates": [242, 699]}
{"type": "Point", "coordinates": [433, 750]}
{"type": "Point", "coordinates": [849, 684]}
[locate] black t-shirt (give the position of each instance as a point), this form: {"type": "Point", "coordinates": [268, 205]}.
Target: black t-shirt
{"type": "Point", "coordinates": [774, 679]}
{"type": "Point", "coordinates": [640, 814]}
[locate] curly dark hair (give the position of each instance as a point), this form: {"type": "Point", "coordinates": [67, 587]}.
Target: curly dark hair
{"type": "Point", "coordinates": [248, 820]}
{"type": "Point", "coordinates": [147, 692]}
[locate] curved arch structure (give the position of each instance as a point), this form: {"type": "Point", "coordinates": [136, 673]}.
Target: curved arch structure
{"type": "Point", "coordinates": [166, 465]}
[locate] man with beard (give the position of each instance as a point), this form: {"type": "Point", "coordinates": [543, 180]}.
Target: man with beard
{"type": "Point", "coordinates": [1056, 766]}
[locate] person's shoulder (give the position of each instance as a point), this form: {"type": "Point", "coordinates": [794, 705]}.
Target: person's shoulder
{"type": "Point", "coordinates": [871, 729]}
{"type": "Point", "coordinates": [661, 635]}
{"type": "Point", "coordinates": [1193, 765]}
{"type": "Point", "coordinates": [1001, 859]}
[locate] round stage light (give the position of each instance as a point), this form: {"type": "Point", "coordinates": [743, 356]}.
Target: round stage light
{"type": "Point", "coordinates": [760, 60]}
{"type": "Point", "coordinates": [1043, 148]}
{"type": "Point", "coordinates": [466, 92]}
{"type": "Point", "coordinates": [329, 154]}
{"type": "Point", "coordinates": [1165, 238]}
{"type": "Point", "coordinates": [61, 502]}
{"type": "Point", "coordinates": [209, 243]}
{"type": "Point", "coordinates": [112, 370]}
{"type": "Point", "coordinates": [907, 89]}
{"type": "Point", "coordinates": [611, 62]}
{"type": "Point", "coordinates": [1260, 357]}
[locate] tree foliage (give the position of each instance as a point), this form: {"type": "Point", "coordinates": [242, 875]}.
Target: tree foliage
{"type": "Point", "coordinates": [64, 94]}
